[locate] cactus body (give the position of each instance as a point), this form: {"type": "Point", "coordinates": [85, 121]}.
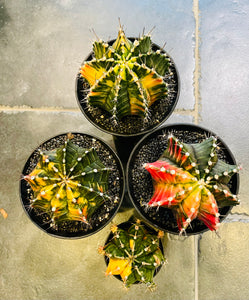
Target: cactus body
{"type": "Point", "coordinates": [192, 181]}
{"type": "Point", "coordinates": [134, 254]}
{"type": "Point", "coordinates": [68, 183]}
{"type": "Point", "coordinates": [125, 78]}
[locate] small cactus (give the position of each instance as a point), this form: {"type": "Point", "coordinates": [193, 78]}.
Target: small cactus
{"type": "Point", "coordinates": [68, 183]}
{"type": "Point", "coordinates": [125, 78]}
{"type": "Point", "coordinates": [192, 181]}
{"type": "Point", "coordinates": [134, 254]}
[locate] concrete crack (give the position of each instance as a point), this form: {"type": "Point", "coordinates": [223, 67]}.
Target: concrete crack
{"type": "Point", "coordinates": [237, 217]}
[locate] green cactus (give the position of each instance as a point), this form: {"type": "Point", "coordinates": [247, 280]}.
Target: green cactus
{"type": "Point", "coordinates": [192, 181]}
{"type": "Point", "coordinates": [125, 78]}
{"type": "Point", "coordinates": [134, 254]}
{"type": "Point", "coordinates": [68, 183]}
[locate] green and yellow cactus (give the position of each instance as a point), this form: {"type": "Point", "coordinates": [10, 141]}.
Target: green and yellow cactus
{"type": "Point", "coordinates": [68, 183]}
{"type": "Point", "coordinates": [125, 78]}
{"type": "Point", "coordinates": [191, 180]}
{"type": "Point", "coordinates": [134, 254]}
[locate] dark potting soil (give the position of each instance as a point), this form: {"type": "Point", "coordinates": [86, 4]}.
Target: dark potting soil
{"type": "Point", "coordinates": [101, 216]}
{"type": "Point", "coordinates": [140, 181]}
{"type": "Point", "coordinates": [128, 125]}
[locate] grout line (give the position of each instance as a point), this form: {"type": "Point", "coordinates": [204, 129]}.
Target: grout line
{"type": "Point", "coordinates": [185, 112]}
{"type": "Point", "coordinates": [197, 70]}
{"type": "Point", "coordinates": [196, 250]}
{"type": "Point", "coordinates": [26, 108]}
{"type": "Point", "coordinates": [196, 77]}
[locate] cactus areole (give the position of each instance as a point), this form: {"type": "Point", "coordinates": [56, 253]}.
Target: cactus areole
{"type": "Point", "coordinates": [69, 185]}
{"type": "Point", "coordinates": [133, 253]}
{"type": "Point", "coordinates": [195, 179]}
{"type": "Point", "coordinates": [119, 83]}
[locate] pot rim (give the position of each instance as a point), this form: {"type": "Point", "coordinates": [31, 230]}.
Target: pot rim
{"type": "Point", "coordinates": [167, 128]}
{"type": "Point", "coordinates": [122, 187]}
{"type": "Point", "coordinates": [140, 133]}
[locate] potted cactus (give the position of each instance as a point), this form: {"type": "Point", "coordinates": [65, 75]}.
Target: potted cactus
{"type": "Point", "coordinates": [127, 87]}
{"type": "Point", "coordinates": [183, 179]}
{"type": "Point", "coordinates": [72, 185]}
{"type": "Point", "coordinates": [133, 253]}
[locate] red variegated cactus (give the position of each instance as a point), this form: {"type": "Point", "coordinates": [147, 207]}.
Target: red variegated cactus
{"type": "Point", "coordinates": [192, 181]}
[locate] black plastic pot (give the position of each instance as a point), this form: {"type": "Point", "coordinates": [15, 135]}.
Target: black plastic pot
{"type": "Point", "coordinates": [126, 226]}
{"type": "Point", "coordinates": [103, 215]}
{"type": "Point", "coordinates": [139, 181]}
{"type": "Point", "coordinates": [131, 128]}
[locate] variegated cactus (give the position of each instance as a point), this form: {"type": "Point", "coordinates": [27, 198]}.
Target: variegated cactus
{"type": "Point", "coordinates": [68, 183]}
{"type": "Point", "coordinates": [191, 180]}
{"type": "Point", "coordinates": [134, 254]}
{"type": "Point", "coordinates": [125, 78]}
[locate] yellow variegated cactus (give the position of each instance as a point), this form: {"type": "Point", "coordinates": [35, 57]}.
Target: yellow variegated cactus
{"type": "Point", "coordinates": [68, 183]}
{"type": "Point", "coordinates": [134, 254]}
{"type": "Point", "coordinates": [125, 78]}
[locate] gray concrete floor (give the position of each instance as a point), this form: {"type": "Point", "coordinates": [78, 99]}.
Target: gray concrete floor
{"type": "Point", "coordinates": [42, 46]}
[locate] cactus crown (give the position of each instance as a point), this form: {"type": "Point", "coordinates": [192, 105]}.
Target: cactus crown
{"type": "Point", "coordinates": [134, 254]}
{"type": "Point", "coordinates": [125, 78]}
{"type": "Point", "coordinates": [192, 181]}
{"type": "Point", "coordinates": [68, 183]}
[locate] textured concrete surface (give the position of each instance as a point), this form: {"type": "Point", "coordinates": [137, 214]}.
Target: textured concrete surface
{"type": "Point", "coordinates": [45, 42]}
{"type": "Point", "coordinates": [224, 76]}
{"type": "Point", "coordinates": [42, 46]}
{"type": "Point", "coordinates": [223, 263]}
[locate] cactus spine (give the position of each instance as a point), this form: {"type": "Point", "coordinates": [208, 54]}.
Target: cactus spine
{"type": "Point", "coordinates": [192, 181]}
{"type": "Point", "coordinates": [68, 183]}
{"type": "Point", "coordinates": [134, 254]}
{"type": "Point", "coordinates": [125, 78]}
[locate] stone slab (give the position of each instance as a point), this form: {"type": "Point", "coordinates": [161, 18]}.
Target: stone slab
{"type": "Point", "coordinates": [44, 44]}
{"type": "Point", "coordinates": [224, 77]}
{"type": "Point", "coordinates": [223, 263]}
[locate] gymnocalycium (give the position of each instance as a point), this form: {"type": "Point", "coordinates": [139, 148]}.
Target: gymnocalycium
{"type": "Point", "coordinates": [134, 254]}
{"type": "Point", "coordinates": [191, 180]}
{"type": "Point", "coordinates": [68, 183]}
{"type": "Point", "coordinates": [125, 78]}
